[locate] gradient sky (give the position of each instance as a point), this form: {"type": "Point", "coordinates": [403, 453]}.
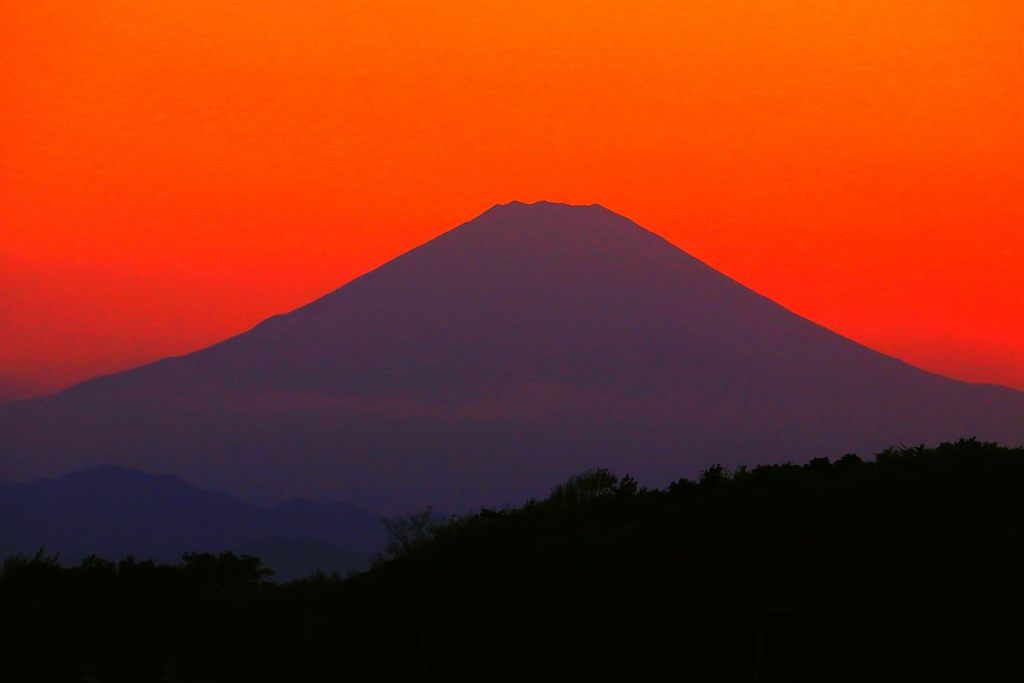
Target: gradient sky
{"type": "Point", "coordinates": [174, 171]}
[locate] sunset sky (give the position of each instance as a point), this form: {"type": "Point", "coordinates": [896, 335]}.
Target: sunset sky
{"type": "Point", "coordinates": [174, 171]}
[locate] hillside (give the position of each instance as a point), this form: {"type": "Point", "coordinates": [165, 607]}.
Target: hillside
{"type": "Point", "coordinates": [902, 568]}
{"type": "Point", "coordinates": [115, 511]}
{"type": "Point", "coordinates": [529, 343]}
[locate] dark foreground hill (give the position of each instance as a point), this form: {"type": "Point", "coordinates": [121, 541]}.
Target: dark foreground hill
{"type": "Point", "coordinates": [115, 511]}
{"type": "Point", "coordinates": [529, 343]}
{"type": "Point", "coordinates": [903, 569]}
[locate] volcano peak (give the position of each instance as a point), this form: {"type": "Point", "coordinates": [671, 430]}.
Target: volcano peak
{"type": "Point", "coordinates": [528, 343]}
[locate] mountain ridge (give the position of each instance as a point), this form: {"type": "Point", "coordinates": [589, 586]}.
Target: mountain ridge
{"type": "Point", "coordinates": [113, 511]}
{"type": "Point", "coordinates": [525, 344]}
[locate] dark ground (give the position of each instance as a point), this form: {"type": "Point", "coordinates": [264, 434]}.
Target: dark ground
{"type": "Point", "coordinates": [905, 568]}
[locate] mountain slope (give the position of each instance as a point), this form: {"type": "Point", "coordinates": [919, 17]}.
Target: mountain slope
{"type": "Point", "coordinates": [531, 342]}
{"type": "Point", "coordinates": [113, 511]}
{"type": "Point", "coordinates": [13, 390]}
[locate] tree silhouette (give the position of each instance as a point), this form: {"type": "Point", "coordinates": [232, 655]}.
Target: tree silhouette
{"type": "Point", "coordinates": [407, 534]}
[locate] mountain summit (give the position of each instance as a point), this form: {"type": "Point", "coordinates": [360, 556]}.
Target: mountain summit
{"type": "Point", "coordinates": [529, 343]}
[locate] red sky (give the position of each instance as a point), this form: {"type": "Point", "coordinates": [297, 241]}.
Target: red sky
{"type": "Point", "coordinates": [174, 171]}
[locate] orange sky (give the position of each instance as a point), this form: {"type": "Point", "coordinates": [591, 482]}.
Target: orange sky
{"type": "Point", "coordinates": [174, 171]}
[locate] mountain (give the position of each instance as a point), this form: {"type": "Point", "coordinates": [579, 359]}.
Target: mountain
{"type": "Point", "coordinates": [13, 390]}
{"type": "Point", "coordinates": [297, 558]}
{"type": "Point", "coordinates": [529, 343]}
{"type": "Point", "coordinates": [113, 511]}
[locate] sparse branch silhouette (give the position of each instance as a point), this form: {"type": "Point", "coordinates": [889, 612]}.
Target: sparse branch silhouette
{"type": "Point", "coordinates": [407, 534]}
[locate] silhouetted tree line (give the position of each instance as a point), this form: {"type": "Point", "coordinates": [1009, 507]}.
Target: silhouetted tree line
{"type": "Point", "coordinates": [908, 567]}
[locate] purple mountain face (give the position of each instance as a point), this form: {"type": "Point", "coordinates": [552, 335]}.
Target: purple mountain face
{"type": "Point", "coordinates": [13, 390]}
{"type": "Point", "coordinates": [492, 362]}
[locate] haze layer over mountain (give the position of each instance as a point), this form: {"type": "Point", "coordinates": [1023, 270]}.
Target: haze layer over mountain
{"type": "Point", "coordinates": [529, 343]}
